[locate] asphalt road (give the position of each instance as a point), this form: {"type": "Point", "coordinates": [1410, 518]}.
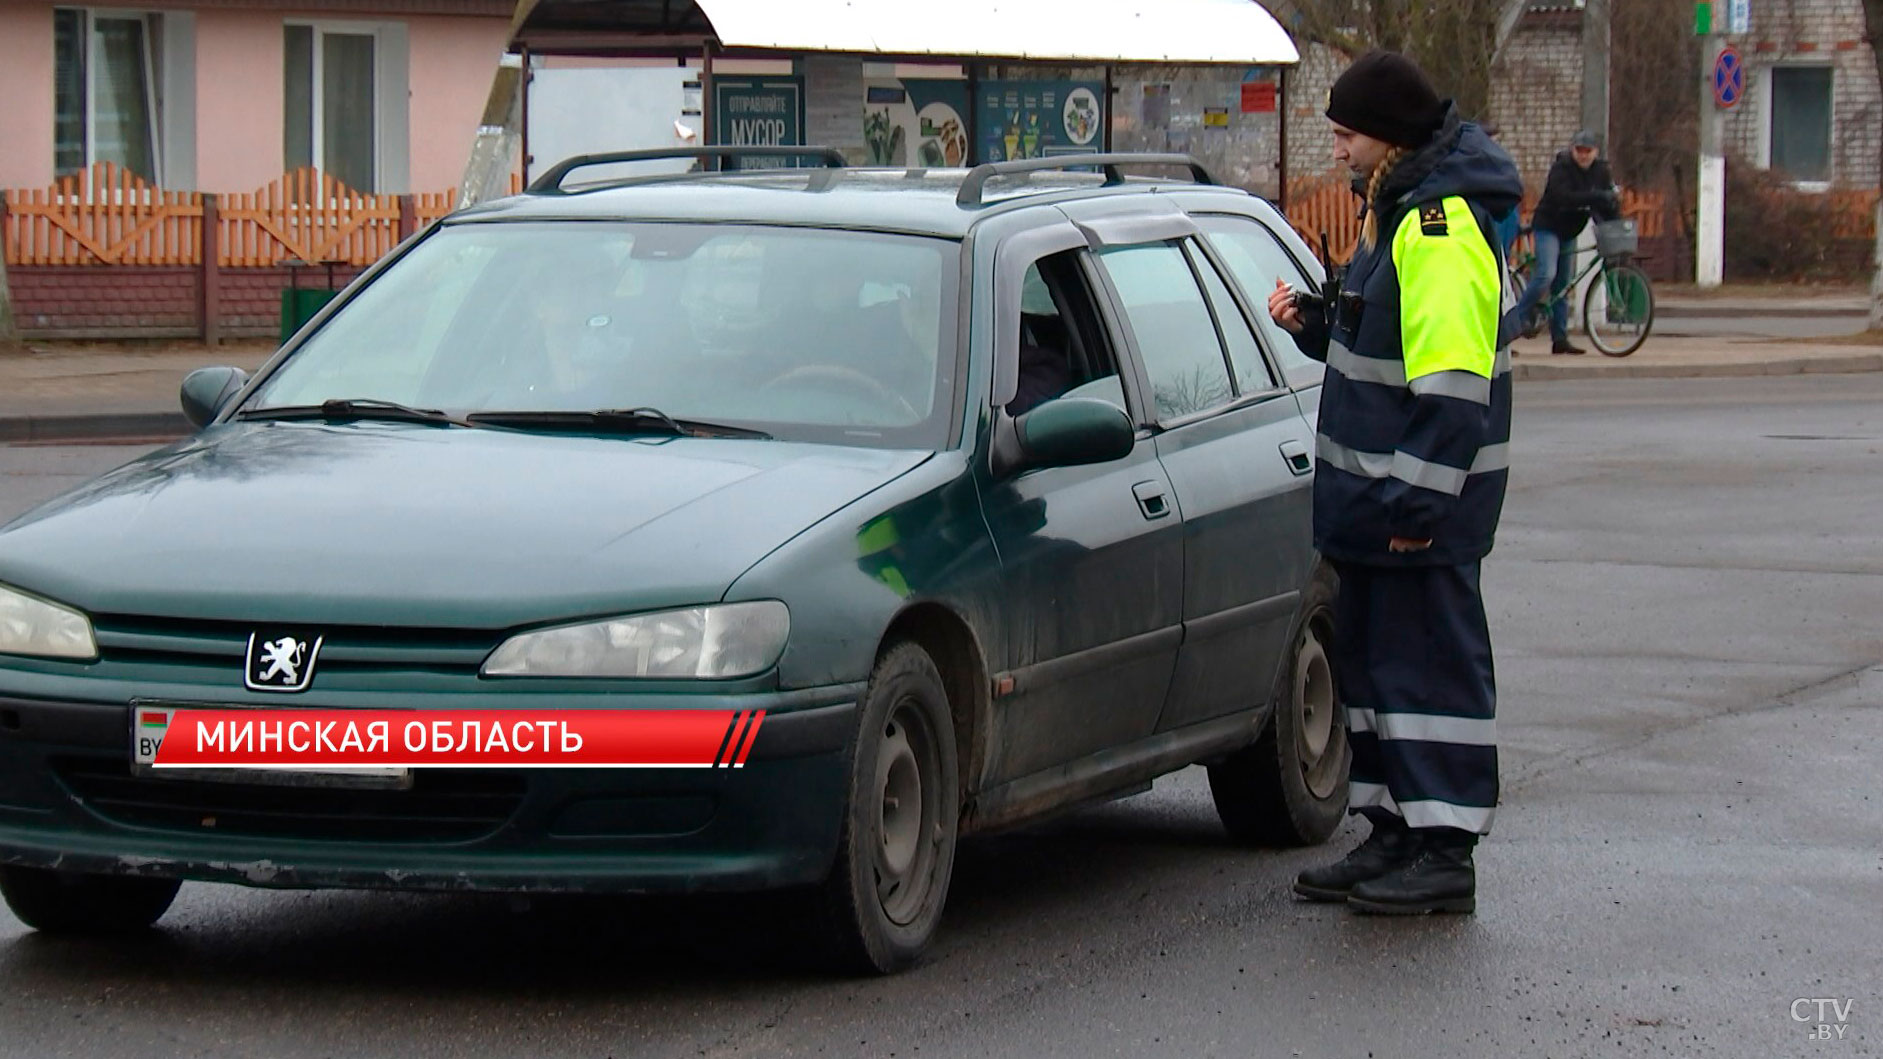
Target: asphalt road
{"type": "Point", "coordinates": [1685, 601]}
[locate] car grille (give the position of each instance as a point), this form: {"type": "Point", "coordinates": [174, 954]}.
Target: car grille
{"type": "Point", "coordinates": [449, 805]}
{"type": "Point", "coordinates": [362, 648]}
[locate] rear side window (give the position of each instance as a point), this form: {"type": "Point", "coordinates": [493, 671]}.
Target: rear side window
{"type": "Point", "coordinates": [1257, 260]}
{"type": "Point", "coordinates": [1176, 335]}
{"type": "Point", "coordinates": [1245, 355]}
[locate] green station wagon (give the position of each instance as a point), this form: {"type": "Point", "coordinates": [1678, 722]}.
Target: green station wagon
{"type": "Point", "coordinates": [990, 486]}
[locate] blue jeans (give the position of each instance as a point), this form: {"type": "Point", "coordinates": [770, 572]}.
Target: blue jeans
{"type": "Point", "coordinates": [1555, 261]}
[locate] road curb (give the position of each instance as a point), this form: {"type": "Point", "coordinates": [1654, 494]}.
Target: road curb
{"type": "Point", "coordinates": [93, 427]}
{"type": "Point", "coordinates": [1626, 369]}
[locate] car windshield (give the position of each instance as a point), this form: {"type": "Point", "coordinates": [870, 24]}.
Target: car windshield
{"type": "Point", "coordinates": [803, 334]}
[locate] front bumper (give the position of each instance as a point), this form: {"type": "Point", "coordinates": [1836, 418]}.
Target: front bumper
{"type": "Point", "coordinates": [69, 801]}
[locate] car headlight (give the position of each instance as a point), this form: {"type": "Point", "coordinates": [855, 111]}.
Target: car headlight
{"type": "Point", "coordinates": [716, 642]}
{"type": "Point", "coordinates": [33, 626]}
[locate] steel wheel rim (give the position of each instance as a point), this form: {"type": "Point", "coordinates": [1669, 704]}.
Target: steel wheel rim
{"type": "Point", "coordinates": [907, 818]}
{"type": "Point", "coordinates": [1316, 716]}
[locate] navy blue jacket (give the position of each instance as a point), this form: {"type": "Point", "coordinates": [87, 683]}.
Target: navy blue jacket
{"type": "Point", "coordinates": [1415, 411]}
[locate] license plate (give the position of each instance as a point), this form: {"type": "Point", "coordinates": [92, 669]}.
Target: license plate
{"type": "Point", "coordinates": [150, 722]}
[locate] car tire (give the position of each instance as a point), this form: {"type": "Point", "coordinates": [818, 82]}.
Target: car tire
{"type": "Point", "coordinates": [883, 898]}
{"type": "Point", "coordinates": [63, 902]}
{"type": "Point", "coordinates": [1290, 787]}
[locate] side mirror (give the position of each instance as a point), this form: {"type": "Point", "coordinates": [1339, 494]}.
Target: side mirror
{"type": "Point", "coordinates": [1067, 432]}
{"type": "Point", "coordinates": [207, 390]}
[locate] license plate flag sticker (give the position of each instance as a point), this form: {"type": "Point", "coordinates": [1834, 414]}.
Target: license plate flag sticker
{"type": "Point", "coordinates": [360, 739]}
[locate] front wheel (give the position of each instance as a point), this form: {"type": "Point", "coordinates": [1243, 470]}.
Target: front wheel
{"type": "Point", "coordinates": [883, 898]}
{"type": "Point", "coordinates": [64, 902]}
{"type": "Point", "coordinates": [1290, 787]}
{"type": "Point", "coordinates": [1618, 310]}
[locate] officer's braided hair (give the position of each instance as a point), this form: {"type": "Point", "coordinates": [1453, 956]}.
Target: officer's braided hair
{"type": "Point", "coordinates": [1369, 233]}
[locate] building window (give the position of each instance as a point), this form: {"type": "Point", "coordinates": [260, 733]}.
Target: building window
{"type": "Point", "coordinates": [105, 91]}
{"type": "Point", "coordinates": [331, 96]}
{"type": "Point", "coordinates": [1801, 122]}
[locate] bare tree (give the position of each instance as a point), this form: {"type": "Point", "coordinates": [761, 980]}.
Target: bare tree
{"type": "Point", "coordinates": [1455, 42]}
{"type": "Point", "coordinates": [1654, 138]}
{"type": "Point", "coordinates": [1873, 32]}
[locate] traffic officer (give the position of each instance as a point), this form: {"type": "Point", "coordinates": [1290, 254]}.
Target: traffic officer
{"type": "Point", "coordinates": [1411, 464]}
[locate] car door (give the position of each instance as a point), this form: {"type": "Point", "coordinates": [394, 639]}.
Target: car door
{"type": "Point", "coordinates": [1240, 457]}
{"type": "Point", "coordinates": [1091, 556]}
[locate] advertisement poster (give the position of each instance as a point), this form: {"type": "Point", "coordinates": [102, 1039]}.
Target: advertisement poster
{"type": "Point", "coordinates": [1035, 119]}
{"type": "Point", "coordinates": [916, 123]}
{"type": "Point", "coordinates": [759, 111]}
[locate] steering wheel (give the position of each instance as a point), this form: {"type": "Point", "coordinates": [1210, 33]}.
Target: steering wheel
{"type": "Point", "coordinates": [845, 376]}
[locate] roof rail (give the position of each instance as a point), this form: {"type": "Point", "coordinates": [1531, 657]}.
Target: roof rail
{"type": "Point", "coordinates": [976, 182]}
{"type": "Point", "coordinates": [550, 183]}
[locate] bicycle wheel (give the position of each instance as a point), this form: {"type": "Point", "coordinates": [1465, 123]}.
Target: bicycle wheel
{"type": "Point", "coordinates": [1618, 311]}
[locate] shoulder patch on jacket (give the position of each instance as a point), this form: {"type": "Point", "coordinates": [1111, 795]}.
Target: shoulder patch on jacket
{"type": "Point", "coordinates": [1432, 219]}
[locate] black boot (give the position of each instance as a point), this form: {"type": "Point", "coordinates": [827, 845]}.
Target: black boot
{"type": "Point", "coordinates": [1439, 877]}
{"type": "Point", "coordinates": [1389, 846]}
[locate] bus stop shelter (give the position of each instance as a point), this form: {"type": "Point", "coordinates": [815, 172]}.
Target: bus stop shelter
{"type": "Point", "coordinates": [897, 83]}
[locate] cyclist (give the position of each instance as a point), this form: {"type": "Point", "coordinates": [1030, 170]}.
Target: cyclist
{"type": "Point", "coordinates": [1579, 185]}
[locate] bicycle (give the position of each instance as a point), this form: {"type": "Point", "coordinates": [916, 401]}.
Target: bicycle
{"type": "Point", "coordinates": [1617, 311]}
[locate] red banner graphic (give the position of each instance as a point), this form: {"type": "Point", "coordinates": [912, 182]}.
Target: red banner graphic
{"type": "Point", "coordinates": [294, 738]}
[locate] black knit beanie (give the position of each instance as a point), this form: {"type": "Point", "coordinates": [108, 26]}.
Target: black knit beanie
{"type": "Point", "coordinates": [1386, 96]}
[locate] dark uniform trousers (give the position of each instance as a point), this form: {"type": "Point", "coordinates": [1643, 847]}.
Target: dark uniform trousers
{"type": "Point", "coordinates": [1412, 660]}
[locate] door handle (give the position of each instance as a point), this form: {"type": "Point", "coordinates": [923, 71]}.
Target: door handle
{"type": "Point", "coordinates": [1151, 499]}
{"type": "Point", "coordinates": [1295, 454]}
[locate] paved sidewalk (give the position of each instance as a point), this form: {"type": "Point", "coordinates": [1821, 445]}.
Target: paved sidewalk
{"type": "Point", "coordinates": [80, 391]}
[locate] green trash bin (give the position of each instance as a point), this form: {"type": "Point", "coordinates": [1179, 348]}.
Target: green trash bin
{"type": "Point", "coordinates": [299, 306]}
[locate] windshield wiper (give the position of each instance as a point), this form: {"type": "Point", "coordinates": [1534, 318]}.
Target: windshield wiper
{"type": "Point", "coordinates": [617, 421]}
{"type": "Point", "coordinates": [343, 408]}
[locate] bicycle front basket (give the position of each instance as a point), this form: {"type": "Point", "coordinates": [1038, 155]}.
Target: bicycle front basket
{"type": "Point", "coordinates": [1615, 238]}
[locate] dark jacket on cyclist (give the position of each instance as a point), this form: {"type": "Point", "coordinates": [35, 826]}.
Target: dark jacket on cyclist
{"type": "Point", "coordinates": [1571, 194]}
{"type": "Point", "coordinates": [1415, 410]}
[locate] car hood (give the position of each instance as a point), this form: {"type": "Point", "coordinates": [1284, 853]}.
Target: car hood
{"type": "Point", "coordinates": [395, 524]}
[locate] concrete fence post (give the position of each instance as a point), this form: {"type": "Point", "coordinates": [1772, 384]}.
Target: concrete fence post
{"type": "Point", "coordinates": [211, 284]}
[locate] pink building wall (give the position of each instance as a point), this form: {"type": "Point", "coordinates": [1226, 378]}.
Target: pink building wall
{"type": "Point", "coordinates": [238, 105]}
{"type": "Point", "coordinates": [238, 99]}
{"type": "Point", "coordinates": [453, 61]}
{"type": "Point", "coordinates": [26, 88]}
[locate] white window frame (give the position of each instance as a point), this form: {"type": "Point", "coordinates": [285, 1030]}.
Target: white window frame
{"type": "Point", "coordinates": [1768, 106]}
{"type": "Point", "coordinates": [316, 110]}
{"type": "Point", "coordinates": [89, 17]}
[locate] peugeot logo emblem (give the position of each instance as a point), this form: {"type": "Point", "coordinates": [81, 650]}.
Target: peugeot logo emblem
{"type": "Point", "coordinates": [280, 661]}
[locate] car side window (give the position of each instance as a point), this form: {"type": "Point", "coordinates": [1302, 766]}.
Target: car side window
{"type": "Point", "coordinates": [1257, 260]}
{"type": "Point", "coordinates": [1245, 353]}
{"type": "Point", "coordinates": [1176, 336]}
{"type": "Point", "coordinates": [1064, 351]}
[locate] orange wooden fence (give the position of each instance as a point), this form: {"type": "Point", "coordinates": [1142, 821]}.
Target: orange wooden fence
{"type": "Point", "coordinates": [106, 215]}
{"type": "Point", "coordinates": [1328, 204]}
{"type": "Point", "coordinates": [103, 216]}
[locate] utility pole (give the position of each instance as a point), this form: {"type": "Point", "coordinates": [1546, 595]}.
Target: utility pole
{"type": "Point", "coordinates": [1709, 252]}
{"type": "Point", "coordinates": [1595, 39]}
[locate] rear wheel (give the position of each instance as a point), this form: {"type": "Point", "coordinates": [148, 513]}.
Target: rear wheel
{"type": "Point", "coordinates": [1290, 787]}
{"type": "Point", "coordinates": [884, 896]}
{"type": "Point", "coordinates": [66, 902]}
{"type": "Point", "coordinates": [1618, 310]}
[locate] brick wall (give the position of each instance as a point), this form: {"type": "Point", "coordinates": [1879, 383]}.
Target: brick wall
{"type": "Point", "coordinates": [1812, 33]}
{"type": "Point", "coordinates": [150, 302]}
{"type": "Point", "coordinates": [1310, 137]}
{"type": "Point", "coordinates": [1246, 154]}
{"type": "Point", "coordinates": [1536, 93]}
{"type": "Point", "coordinates": [51, 301]}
